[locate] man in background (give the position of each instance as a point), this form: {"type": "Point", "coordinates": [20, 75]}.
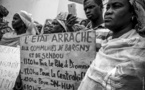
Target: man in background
{"type": "Point", "coordinates": [94, 12]}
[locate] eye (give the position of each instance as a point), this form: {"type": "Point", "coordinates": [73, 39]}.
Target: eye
{"type": "Point", "coordinates": [107, 7]}
{"type": "Point", "coordinates": [117, 5]}
{"type": "Point", "coordinates": [55, 23]}
{"type": "Point", "coordinates": [15, 18]}
{"type": "Point", "coordinates": [92, 6]}
{"type": "Point", "coordinates": [89, 7]}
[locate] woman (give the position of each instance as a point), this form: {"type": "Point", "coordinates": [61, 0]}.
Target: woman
{"type": "Point", "coordinates": [23, 25]}
{"type": "Point", "coordinates": [47, 26]}
{"type": "Point", "coordinates": [39, 27]}
{"type": "Point", "coordinates": [120, 63]}
{"type": "Point", "coordinates": [4, 28]}
{"type": "Point", "coordinates": [57, 26]}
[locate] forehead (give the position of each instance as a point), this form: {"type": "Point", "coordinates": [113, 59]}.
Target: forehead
{"type": "Point", "coordinates": [118, 1]}
{"type": "Point", "coordinates": [89, 2]}
{"type": "Point", "coordinates": [55, 21]}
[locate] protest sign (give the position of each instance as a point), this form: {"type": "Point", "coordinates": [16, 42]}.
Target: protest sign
{"type": "Point", "coordinates": [9, 66]}
{"type": "Point", "coordinates": [56, 61]}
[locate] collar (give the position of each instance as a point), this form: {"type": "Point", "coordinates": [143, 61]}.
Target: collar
{"type": "Point", "coordinates": [89, 26]}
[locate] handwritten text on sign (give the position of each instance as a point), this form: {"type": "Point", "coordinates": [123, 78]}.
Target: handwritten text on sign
{"type": "Point", "coordinates": [9, 67]}
{"type": "Point", "coordinates": [56, 61]}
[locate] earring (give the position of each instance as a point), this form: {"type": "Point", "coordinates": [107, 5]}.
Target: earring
{"type": "Point", "coordinates": [132, 18]}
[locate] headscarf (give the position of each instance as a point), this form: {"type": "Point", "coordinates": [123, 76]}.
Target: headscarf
{"type": "Point", "coordinates": [61, 18]}
{"type": "Point", "coordinates": [47, 26]}
{"type": "Point", "coordinates": [12, 39]}
{"type": "Point", "coordinates": [62, 23]}
{"type": "Point", "coordinates": [37, 24]}
{"type": "Point", "coordinates": [139, 8]}
{"type": "Point", "coordinates": [28, 21]}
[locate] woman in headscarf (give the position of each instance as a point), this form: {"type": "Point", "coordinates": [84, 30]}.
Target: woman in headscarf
{"type": "Point", "coordinates": [4, 28]}
{"type": "Point", "coordinates": [120, 63]}
{"type": "Point", "coordinates": [23, 25]}
{"type": "Point", "coordinates": [39, 27]}
{"type": "Point", "coordinates": [58, 24]}
{"type": "Point", "coordinates": [47, 26]}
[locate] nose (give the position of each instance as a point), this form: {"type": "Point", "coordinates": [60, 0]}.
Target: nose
{"type": "Point", "coordinates": [51, 26]}
{"type": "Point", "coordinates": [109, 11]}
{"type": "Point", "coordinates": [13, 21]}
{"type": "Point", "coordinates": [87, 11]}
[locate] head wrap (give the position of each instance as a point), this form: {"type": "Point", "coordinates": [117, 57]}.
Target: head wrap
{"type": "Point", "coordinates": [26, 18]}
{"type": "Point", "coordinates": [62, 23]}
{"type": "Point", "coordinates": [139, 8]}
{"type": "Point", "coordinates": [61, 18]}
{"type": "Point", "coordinates": [28, 21]}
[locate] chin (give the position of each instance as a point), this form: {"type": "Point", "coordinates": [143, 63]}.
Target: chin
{"type": "Point", "coordinates": [13, 27]}
{"type": "Point", "coordinates": [109, 26]}
{"type": "Point", "coordinates": [90, 18]}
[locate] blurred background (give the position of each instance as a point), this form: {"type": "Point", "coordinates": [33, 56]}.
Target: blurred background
{"type": "Point", "coordinates": [43, 9]}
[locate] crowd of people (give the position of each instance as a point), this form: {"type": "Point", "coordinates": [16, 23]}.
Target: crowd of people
{"type": "Point", "coordinates": [23, 24]}
{"type": "Point", "coordinates": [120, 58]}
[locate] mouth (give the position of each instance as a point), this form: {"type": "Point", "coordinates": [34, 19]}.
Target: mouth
{"type": "Point", "coordinates": [107, 19]}
{"type": "Point", "coordinates": [89, 15]}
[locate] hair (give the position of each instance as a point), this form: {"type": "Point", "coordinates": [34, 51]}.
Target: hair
{"type": "Point", "coordinates": [3, 11]}
{"type": "Point", "coordinates": [134, 19]}
{"type": "Point", "coordinates": [98, 2]}
{"type": "Point", "coordinates": [22, 23]}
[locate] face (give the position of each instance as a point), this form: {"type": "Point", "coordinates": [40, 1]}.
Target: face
{"type": "Point", "coordinates": [47, 23]}
{"type": "Point", "coordinates": [39, 27]}
{"type": "Point", "coordinates": [117, 15]}
{"type": "Point", "coordinates": [92, 10]}
{"type": "Point", "coordinates": [47, 27]}
{"type": "Point", "coordinates": [16, 22]}
{"type": "Point", "coordinates": [56, 27]}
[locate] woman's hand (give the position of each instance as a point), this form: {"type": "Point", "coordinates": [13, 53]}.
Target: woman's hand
{"type": "Point", "coordinates": [71, 20]}
{"type": "Point", "coordinates": [125, 82]}
{"type": "Point", "coordinates": [115, 82]}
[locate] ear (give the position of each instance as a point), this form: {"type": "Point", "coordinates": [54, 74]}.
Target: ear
{"type": "Point", "coordinates": [132, 16]}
